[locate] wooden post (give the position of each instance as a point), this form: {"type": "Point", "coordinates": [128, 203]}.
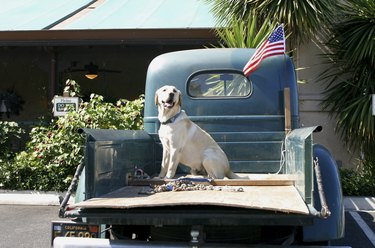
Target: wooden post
{"type": "Point", "coordinates": [288, 116]}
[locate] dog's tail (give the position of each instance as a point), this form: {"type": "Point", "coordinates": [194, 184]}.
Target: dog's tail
{"type": "Point", "coordinates": [231, 175]}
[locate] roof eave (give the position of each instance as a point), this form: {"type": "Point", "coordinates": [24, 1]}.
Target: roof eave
{"type": "Point", "coordinates": [107, 37]}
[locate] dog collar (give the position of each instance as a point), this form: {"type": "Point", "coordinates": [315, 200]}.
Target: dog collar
{"type": "Point", "coordinates": [172, 119]}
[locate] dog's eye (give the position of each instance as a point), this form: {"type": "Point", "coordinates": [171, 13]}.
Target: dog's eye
{"type": "Point", "coordinates": [174, 90]}
{"type": "Point", "coordinates": [165, 90]}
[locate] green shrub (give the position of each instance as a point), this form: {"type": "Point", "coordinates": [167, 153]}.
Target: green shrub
{"type": "Point", "coordinates": [55, 150]}
{"type": "Point", "coordinates": [357, 182]}
{"type": "Point", "coordinates": [8, 130]}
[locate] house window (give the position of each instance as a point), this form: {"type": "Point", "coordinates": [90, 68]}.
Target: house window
{"type": "Point", "coordinates": [219, 84]}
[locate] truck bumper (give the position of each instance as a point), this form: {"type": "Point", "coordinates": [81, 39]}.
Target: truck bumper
{"type": "Point", "coordinates": [64, 242]}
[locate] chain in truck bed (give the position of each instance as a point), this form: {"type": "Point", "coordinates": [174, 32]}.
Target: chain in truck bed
{"type": "Point", "coordinates": [188, 184]}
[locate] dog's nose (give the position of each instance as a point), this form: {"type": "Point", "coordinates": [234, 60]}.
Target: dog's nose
{"type": "Point", "coordinates": [171, 94]}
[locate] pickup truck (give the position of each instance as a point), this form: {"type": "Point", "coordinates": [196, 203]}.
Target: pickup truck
{"type": "Point", "coordinates": [292, 195]}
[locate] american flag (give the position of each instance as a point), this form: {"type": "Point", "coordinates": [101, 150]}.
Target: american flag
{"type": "Point", "coordinates": [274, 45]}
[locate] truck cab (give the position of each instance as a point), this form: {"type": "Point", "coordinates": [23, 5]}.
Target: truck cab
{"type": "Point", "coordinates": [293, 194]}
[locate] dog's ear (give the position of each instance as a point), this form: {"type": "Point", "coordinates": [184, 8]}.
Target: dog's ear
{"type": "Point", "coordinates": [179, 99]}
{"type": "Point", "coordinates": [156, 98]}
{"type": "Point", "coordinates": [157, 92]}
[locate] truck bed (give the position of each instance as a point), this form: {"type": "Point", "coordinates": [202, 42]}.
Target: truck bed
{"type": "Point", "coordinates": [261, 192]}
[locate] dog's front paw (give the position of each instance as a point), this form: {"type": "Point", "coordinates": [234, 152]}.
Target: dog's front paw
{"type": "Point", "coordinates": [169, 175]}
{"type": "Point", "coordinates": [161, 175]}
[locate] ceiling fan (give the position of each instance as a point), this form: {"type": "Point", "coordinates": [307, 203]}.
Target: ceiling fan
{"type": "Point", "coordinates": [91, 70]}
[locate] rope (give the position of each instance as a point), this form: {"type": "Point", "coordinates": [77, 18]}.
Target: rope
{"type": "Point", "coordinates": [282, 156]}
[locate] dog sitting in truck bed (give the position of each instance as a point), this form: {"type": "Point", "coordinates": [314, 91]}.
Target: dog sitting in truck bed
{"type": "Point", "coordinates": [185, 142]}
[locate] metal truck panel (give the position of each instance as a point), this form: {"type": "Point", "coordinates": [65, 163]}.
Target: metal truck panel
{"type": "Point", "coordinates": [111, 155]}
{"type": "Point", "coordinates": [298, 149]}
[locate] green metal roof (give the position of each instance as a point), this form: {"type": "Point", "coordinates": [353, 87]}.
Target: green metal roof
{"type": "Point", "coordinates": [36, 14]}
{"type": "Point", "coordinates": [27, 15]}
{"type": "Point", "coordinates": [147, 14]}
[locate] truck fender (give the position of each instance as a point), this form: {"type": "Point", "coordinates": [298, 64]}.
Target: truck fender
{"type": "Point", "coordinates": [332, 227]}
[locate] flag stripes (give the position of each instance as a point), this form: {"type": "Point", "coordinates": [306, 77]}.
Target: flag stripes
{"type": "Point", "coordinates": [274, 45]}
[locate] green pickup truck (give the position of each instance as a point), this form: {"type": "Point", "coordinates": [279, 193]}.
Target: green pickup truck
{"type": "Point", "coordinates": [291, 194]}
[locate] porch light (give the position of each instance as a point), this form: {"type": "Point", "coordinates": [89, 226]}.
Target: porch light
{"type": "Point", "coordinates": [92, 71]}
{"type": "Point", "coordinates": [91, 76]}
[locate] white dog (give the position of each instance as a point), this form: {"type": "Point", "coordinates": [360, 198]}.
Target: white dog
{"type": "Point", "coordinates": [185, 142]}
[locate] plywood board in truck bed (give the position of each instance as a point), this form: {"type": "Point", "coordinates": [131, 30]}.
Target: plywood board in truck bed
{"type": "Point", "coordinates": [274, 198]}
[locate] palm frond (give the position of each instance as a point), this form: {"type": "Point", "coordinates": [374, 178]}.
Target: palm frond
{"type": "Point", "coordinates": [302, 18]}
{"type": "Point", "coordinates": [350, 80]}
{"type": "Point", "coordinates": [244, 33]}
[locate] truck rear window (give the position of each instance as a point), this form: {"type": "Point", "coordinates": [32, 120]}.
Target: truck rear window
{"type": "Point", "coordinates": [219, 84]}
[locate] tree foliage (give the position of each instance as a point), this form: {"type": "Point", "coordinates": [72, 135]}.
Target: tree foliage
{"type": "Point", "coordinates": [8, 130]}
{"type": "Point", "coordinates": [302, 18]}
{"type": "Point", "coordinates": [351, 76]}
{"type": "Point", "coordinates": [244, 33]}
{"type": "Point", "coordinates": [357, 182]}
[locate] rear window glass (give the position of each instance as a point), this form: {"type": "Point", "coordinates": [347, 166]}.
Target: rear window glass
{"type": "Point", "coordinates": [219, 84]}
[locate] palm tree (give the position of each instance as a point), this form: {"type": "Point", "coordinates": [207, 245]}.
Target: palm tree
{"type": "Point", "coordinates": [351, 77]}
{"type": "Point", "coordinates": [244, 33]}
{"type": "Point", "coordinates": [302, 18]}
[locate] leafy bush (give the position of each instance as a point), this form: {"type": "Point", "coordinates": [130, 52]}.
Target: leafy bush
{"type": "Point", "coordinates": [55, 150]}
{"type": "Point", "coordinates": [8, 130]}
{"type": "Point", "coordinates": [357, 183]}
